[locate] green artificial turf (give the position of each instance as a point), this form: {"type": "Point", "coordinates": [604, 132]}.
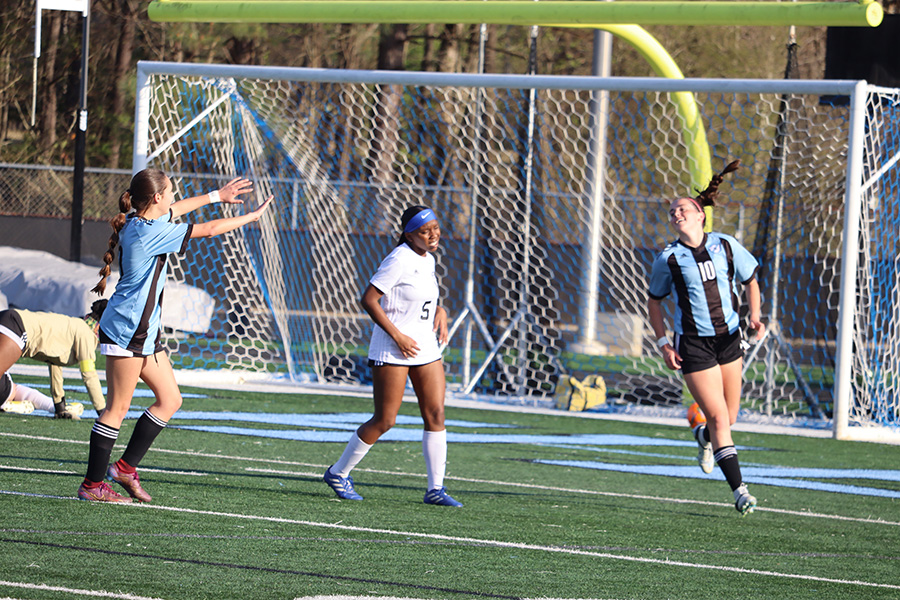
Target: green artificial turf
{"type": "Point", "coordinates": [247, 515]}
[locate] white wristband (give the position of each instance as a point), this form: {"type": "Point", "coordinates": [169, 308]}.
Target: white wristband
{"type": "Point", "coordinates": [214, 197]}
{"type": "Point", "coordinates": [662, 342]}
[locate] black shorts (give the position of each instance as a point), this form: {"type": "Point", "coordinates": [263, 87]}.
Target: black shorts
{"type": "Point", "coordinates": [12, 327]}
{"type": "Point", "coordinates": [6, 384]}
{"type": "Point", "coordinates": [109, 348]}
{"type": "Point", "coordinates": [700, 353]}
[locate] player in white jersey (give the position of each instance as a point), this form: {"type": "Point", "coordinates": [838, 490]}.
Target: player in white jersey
{"type": "Point", "coordinates": [410, 327]}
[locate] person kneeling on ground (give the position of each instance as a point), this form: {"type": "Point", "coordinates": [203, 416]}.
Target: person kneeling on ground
{"type": "Point", "coordinates": [60, 341]}
{"type": "Point", "coordinates": [23, 400]}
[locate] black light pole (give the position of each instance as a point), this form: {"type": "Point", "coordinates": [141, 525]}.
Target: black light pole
{"type": "Point", "coordinates": [80, 132]}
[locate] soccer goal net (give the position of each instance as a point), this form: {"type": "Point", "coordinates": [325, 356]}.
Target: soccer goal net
{"type": "Point", "coordinates": [552, 194]}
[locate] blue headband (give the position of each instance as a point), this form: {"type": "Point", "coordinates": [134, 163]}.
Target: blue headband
{"type": "Point", "coordinates": [420, 219]}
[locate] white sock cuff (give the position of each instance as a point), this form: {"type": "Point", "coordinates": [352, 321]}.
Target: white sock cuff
{"type": "Point", "coordinates": [354, 452]}
{"type": "Point", "coordinates": [154, 419]}
{"type": "Point", "coordinates": [434, 436]}
{"type": "Point", "coordinates": [358, 443]}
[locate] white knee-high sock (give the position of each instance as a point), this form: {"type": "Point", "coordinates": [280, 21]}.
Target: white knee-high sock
{"type": "Point", "coordinates": [39, 400]}
{"type": "Point", "coordinates": [434, 447]}
{"type": "Point", "coordinates": [354, 452]}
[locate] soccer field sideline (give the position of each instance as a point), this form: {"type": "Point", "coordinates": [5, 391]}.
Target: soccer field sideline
{"type": "Point", "coordinates": [259, 382]}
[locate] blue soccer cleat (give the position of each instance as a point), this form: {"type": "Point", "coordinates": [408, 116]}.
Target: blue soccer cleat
{"type": "Point", "coordinates": [342, 486]}
{"type": "Point", "coordinates": [440, 497]}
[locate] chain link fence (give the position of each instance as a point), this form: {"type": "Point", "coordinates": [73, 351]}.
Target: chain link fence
{"type": "Point", "coordinates": [36, 208]}
{"type": "Point", "coordinates": [46, 191]}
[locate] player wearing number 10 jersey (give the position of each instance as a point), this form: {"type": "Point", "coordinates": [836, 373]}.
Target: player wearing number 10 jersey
{"type": "Point", "coordinates": [402, 300]}
{"type": "Point", "coordinates": [704, 269]}
{"type": "Point", "coordinates": [708, 302]}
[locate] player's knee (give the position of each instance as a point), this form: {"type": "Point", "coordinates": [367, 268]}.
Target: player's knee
{"type": "Point", "coordinates": [169, 404]}
{"type": "Point", "coordinates": [383, 424]}
{"type": "Point", "coordinates": [719, 421]}
{"type": "Point", "coordinates": [434, 418]}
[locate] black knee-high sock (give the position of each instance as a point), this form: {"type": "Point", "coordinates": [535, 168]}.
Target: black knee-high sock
{"type": "Point", "coordinates": [146, 430]}
{"type": "Point", "coordinates": [103, 438]}
{"type": "Point", "coordinates": [726, 458]}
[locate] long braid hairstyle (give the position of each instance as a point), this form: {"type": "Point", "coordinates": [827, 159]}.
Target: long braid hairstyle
{"type": "Point", "coordinates": [708, 196]}
{"type": "Point", "coordinates": [144, 186]}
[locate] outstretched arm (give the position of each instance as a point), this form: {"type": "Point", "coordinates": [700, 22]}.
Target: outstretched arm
{"type": "Point", "coordinates": [220, 226]}
{"type": "Point", "coordinates": [228, 194]}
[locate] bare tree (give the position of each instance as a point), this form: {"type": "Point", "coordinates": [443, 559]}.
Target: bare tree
{"type": "Point", "coordinates": [47, 90]}
{"type": "Point", "coordinates": [127, 18]}
{"type": "Point", "coordinates": [385, 120]}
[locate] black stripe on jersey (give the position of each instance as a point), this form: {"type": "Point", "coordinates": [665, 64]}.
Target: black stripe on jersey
{"type": "Point", "coordinates": [140, 334]}
{"type": "Point", "coordinates": [729, 255]}
{"type": "Point", "coordinates": [711, 289]}
{"type": "Point", "coordinates": [187, 238]}
{"type": "Point", "coordinates": [688, 325]}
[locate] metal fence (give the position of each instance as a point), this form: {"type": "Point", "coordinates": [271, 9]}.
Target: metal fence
{"type": "Point", "coordinates": [46, 190]}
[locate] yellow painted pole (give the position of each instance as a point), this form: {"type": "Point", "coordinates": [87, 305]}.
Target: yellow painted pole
{"type": "Point", "coordinates": [866, 13]}
{"type": "Point", "coordinates": [693, 131]}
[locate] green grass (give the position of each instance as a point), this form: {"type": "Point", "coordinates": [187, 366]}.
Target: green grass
{"type": "Point", "coordinates": [245, 516]}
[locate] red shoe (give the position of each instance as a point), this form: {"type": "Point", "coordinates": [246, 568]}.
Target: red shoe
{"type": "Point", "coordinates": [130, 482]}
{"type": "Point", "coordinates": [101, 493]}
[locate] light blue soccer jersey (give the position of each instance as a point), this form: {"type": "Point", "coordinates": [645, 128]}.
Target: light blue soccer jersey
{"type": "Point", "coordinates": [131, 319]}
{"type": "Point", "coordinates": [704, 280]}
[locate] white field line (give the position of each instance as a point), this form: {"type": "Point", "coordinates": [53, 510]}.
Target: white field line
{"type": "Point", "coordinates": [321, 467]}
{"type": "Point", "coordinates": [516, 545]}
{"type": "Point", "coordinates": [599, 493]}
{"type": "Point", "coordinates": [54, 588]}
{"type": "Point", "coordinates": [56, 472]}
{"type": "Point", "coordinates": [396, 598]}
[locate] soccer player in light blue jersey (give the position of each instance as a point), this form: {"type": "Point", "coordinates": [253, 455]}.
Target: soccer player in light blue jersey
{"type": "Point", "coordinates": [130, 326]}
{"type": "Point", "coordinates": [704, 271]}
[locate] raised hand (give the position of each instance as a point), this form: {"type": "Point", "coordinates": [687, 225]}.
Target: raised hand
{"type": "Point", "coordinates": [229, 192]}
{"type": "Point", "coordinates": [262, 208]}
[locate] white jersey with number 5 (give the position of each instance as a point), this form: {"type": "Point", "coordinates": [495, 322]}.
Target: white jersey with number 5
{"type": "Point", "coordinates": [410, 290]}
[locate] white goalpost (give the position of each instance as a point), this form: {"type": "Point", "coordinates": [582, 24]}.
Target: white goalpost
{"type": "Point", "coordinates": [506, 163]}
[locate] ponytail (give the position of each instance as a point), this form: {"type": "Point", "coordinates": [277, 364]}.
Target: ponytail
{"type": "Point", "coordinates": [708, 196]}
{"type": "Point", "coordinates": [117, 223]}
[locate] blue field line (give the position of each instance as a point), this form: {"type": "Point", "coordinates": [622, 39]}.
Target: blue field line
{"type": "Point", "coordinates": [775, 476]}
